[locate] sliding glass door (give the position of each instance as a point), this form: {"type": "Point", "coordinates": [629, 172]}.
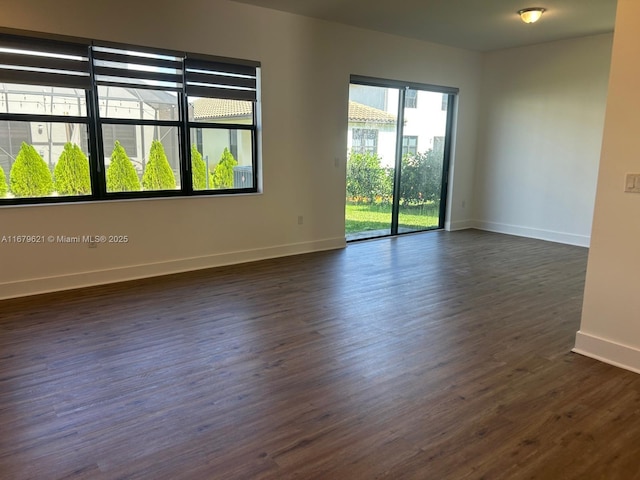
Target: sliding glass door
{"type": "Point", "coordinates": [398, 142]}
{"type": "Point", "coordinates": [371, 165]}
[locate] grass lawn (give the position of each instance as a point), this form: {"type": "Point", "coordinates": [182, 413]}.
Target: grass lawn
{"type": "Point", "coordinates": [360, 218]}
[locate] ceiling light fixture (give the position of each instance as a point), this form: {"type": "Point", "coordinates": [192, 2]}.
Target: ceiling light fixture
{"type": "Point", "coordinates": [531, 15]}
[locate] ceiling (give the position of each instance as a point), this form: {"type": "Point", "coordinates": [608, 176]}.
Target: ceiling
{"type": "Point", "coordinates": [481, 25]}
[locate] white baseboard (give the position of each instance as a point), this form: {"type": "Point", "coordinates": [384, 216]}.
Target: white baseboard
{"type": "Point", "coordinates": [608, 351]}
{"type": "Point", "coordinates": [459, 225]}
{"type": "Point", "coordinates": [36, 286]}
{"type": "Point", "coordinates": [549, 235]}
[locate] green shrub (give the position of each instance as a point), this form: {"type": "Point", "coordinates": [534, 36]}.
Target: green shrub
{"type": "Point", "coordinates": [198, 169]}
{"type": "Point", "coordinates": [30, 176]}
{"type": "Point", "coordinates": [367, 180]}
{"type": "Point", "coordinates": [3, 184]}
{"type": "Point", "coordinates": [71, 175]}
{"type": "Point", "coordinates": [223, 174]}
{"type": "Point", "coordinates": [121, 174]}
{"type": "Point", "coordinates": [157, 173]}
{"type": "Point", "coordinates": [421, 179]}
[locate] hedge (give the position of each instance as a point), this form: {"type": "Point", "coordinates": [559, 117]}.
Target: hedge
{"type": "Point", "coordinates": [222, 176]}
{"type": "Point", "coordinates": [71, 175]}
{"type": "Point", "coordinates": [30, 176]}
{"type": "Point", "coordinates": [158, 174]}
{"type": "Point", "coordinates": [121, 174]}
{"type": "Point", "coordinates": [3, 184]}
{"type": "Point", "coordinates": [198, 170]}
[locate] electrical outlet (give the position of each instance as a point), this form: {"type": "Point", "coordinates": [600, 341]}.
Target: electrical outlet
{"type": "Point", "coordinates": [632, 183]}
{"type": "Point", "coordinates": [300, 220]}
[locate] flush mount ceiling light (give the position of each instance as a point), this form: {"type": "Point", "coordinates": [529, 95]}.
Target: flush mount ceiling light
{"type": "Point", "coordinates": [531, 15]}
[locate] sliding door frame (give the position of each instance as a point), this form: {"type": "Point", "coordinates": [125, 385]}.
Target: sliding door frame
{"type": "Point", "coordinates": [402, 87]}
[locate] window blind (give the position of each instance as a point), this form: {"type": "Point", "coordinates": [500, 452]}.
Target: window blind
{"type": "Point", "coordinates": [220, 80]}
{"type": "Point", "coordinates": [113, 66]}
{"type": "Point", "coordinates": [34, 62]}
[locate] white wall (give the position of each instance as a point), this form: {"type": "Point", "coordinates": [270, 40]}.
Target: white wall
{"type": "Point", "coordinates": [426, 121]}
{"type": "Point", "coordinates": [610, 328]}
{"type": "Point", "coordinates": [305, 81]}
{"type": "Point", "coordinates": [540, 134]}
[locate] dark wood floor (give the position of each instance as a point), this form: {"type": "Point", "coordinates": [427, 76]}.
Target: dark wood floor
{"type": "Point", "coordinates": [432, 356]}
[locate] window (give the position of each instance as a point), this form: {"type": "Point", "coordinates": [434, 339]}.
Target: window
{"type": "Point", "coordinates": [445, 102]}
{"type": "Point", "coordinates": [43, 113]}
{"type": "Point", "coordinates": [125, 134]}
{"type": "Point", "coordinates": [221, 99]}
{"type": "Point", "coordinates": [409, 145]}
{"type": "Point", "coordinates": [233, 142]}
{"type": "Point", "coordinates": [88, 121]}
{"type": "Point", "coordinates": [438, 144]}
{"type": "Point", "coordinates": [365, 140]}
{"type": "Point", "coordinates": [411, 98]}
{"type": "Point", "coordinates": [12, 134]}
{"type": "Point", "coordinates": [138, 97]}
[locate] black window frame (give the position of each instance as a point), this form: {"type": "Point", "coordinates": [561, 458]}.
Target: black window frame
{"type": "Point", "coordinates": [89, 80]}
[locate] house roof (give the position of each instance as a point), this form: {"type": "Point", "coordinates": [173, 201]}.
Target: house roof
{"type": "Point", "coordinates": [221, 108]}
{"type": "Point", "coordinates": [364, 113]}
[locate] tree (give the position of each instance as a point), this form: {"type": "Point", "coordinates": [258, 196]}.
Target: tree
{"type": "Point", "coordinates": [30, 176]}
{"type": "Point", "coordinates": [157, 173]}
{"type": "Point", "coordinates": [367, 180]}
{"type": "Point", "coordinates": [223, 174]}
{"type": "Point", "coordinates": [198, 169]}
{"type": "Point", "coordinates": [71, 175]}
{"type": "Point", "coordinates": [121, 174]}
{"type": "Point", "coordinates": [3, 184]}
{"type": "Point", "coordinates": [421, 177]}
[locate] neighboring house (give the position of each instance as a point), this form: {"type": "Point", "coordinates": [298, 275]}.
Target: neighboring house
{"type": "Point", "coordinates": [373, 117]}
{"type": "Point", "coordinates": [211, 142]}
{"type": "Point", "coordinates": [371, 130]}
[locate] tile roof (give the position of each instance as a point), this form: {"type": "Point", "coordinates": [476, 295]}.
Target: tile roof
{"type": "Point", "coordinates": [221, 108]}
{"type": "Point", "coordinates": [364, 113]}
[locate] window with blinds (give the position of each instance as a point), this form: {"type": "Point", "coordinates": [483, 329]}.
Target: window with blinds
{"type": "Point", "coordinates": [44, 88]}
{"type": "Point", "coordinates": [82, 119]}
{"type": "Point", "coordinates": [221, 98]}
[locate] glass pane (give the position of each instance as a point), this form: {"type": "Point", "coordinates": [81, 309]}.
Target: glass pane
{"type": "Point", "coordinates": [43, 159]}
{"type": "Point", "coordinates": [42, 100]}
{"type": "Point", "coordinates": [371, 160]}
{"type": "Point", "coordinates": [220, 110]}
{"type": "Point", "coordinates": [141, 157]}
{"type": "Point", "coordinates": [425, 126]}
{"type": "Point", "coordinates": [221, 158]}
{"type": "Point", "coordinates": [137, 103]}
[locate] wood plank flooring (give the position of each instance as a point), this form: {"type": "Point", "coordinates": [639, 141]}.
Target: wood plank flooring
{"type": "Point", "coordinates": [431, 356]}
